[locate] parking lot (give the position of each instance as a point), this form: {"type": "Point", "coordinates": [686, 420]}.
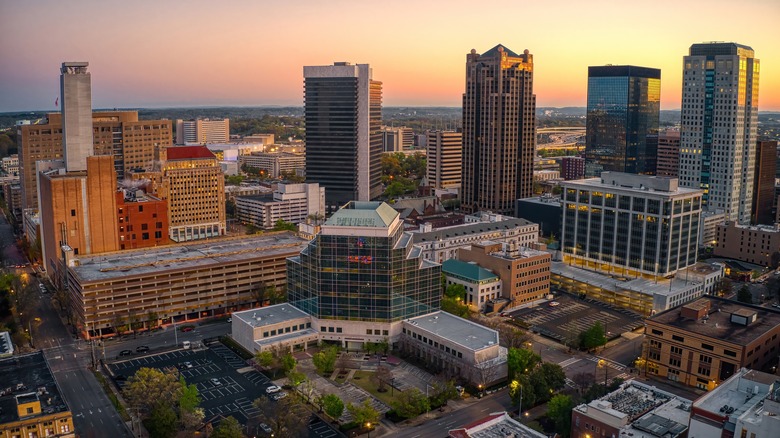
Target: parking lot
{"type": "Point", "coordinates": [226, 385]}
{"type": "Point", "coordinates": [572, 316]}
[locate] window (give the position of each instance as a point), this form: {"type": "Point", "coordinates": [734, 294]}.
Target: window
{"type": "Point", "coordinates": [144, 226]}
{"type": "Point", "coordinates": [707, 347]}
{"type": "Point", "coordinates": [678, 338]}
{"type": "Point", "coordinates": [338, 330]}
{"type": "Point", "coordinates": [730, 353]}
{"type": "Point", "coordinates": [144, 236]}
{"type": "Point", "coordinates": [657, 332]}
{"type": "Point", "coordinates": [73, 212]}
{"type": "Point", "coordinates": [369, 331]}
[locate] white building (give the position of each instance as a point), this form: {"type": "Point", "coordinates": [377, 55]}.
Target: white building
{"type": "Point", "coordinates": [495, 425]}
{"type": "Point", "coordinates": [481, 285]}
{"type": "Point", "coordinates": [232, 151]}
{"type": "Point", "coordinates": [718, 130]}
{"type": "Point", "coordinates": [11, 164]}
{"type": "Point", "coordinates": [274, 163]}
{"type": "Point", "coordinates": [202, 131]}
{"type": "Point", "coordinates": [445, 156]}
{"type": "Point", "coordinates": [708, 229]}
{"type": "Point", "coordinates": [289, 202]}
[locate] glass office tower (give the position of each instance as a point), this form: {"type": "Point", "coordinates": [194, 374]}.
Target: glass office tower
{"type": "Point", "coordinates": [622, 119]}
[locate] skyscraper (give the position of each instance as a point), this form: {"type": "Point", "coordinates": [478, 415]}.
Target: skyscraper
{"type": "Point", "coordinates": [343, 117]}
{"type": "Point", "coordinates": [622, 119]}
{"type": "Point", "coordinates": [764, 182]}
{"type": "Point", "coordinates": [718, 126]}
{"type": "Point", "coordinates": [76, 99]}
{"type": "Point", "coordinates": [499, 122]}
{"type": "Point", "coordinates": [445, 158]}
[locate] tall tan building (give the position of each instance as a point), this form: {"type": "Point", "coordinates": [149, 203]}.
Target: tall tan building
{"type": "Point", "coordinates": [668, 153]}
{"type": "Point", "coordinates": [499, 129]}
{"type": "Point", "coordinates": [445, 155]}
{"type": "Point", "coordinates": [193, 184]}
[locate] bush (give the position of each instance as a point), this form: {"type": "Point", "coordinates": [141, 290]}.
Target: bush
{"type": "Point", "coordinates": [346, 427]}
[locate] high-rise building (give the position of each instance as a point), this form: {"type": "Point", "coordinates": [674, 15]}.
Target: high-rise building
{"type": "Point", "coordinates": [499, 130]}
{"type": "Point", "coordinates": [764, 182]}
{"type": "Point", "coordinates": [397, 139]}
{"type": "Point", "coordinates": [202, 131]}
{"type": "Point", "coordinates": [668, 153]}
{"type": "Point", "coordinates": [343, 117]}
{"type": "Point", "coordinates": [445, 154]}
{"type": "Point", "coordinates": [718, 126]}
{"type": "Point", "coordinates": [622, 119]}
{"type": "Point", "coordinates": [194, 186]}
{"type": "Point", "coordinates": [76, 98]}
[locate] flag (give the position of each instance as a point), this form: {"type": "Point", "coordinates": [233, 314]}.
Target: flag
{"type": "Point", "coordinates": [57, 101]}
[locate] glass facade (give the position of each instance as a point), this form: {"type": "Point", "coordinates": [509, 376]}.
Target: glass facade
{"type": "Point", "coordinates": [357, 278]}
{"type": "Point", "coordinates": [622, 119]}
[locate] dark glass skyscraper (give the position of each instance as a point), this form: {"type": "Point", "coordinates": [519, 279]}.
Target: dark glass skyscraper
{"type": "Point", "coordinates": [622, 119]}
{"type": "Point", "coordinates": [343, 118]}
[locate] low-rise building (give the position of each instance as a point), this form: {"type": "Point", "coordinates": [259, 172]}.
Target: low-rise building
{"type": "Point", "coordinates": [634, 410]}
{"type": "Point", "coordinates": [546, 175]}
{"type": "Point", "coordinates": [6, 345]}
{"type": "Point", "coordinates": [497, 424]}
{"type": "Point", "coordinates": [705, 342]}
{"type": "Point", "coordinates": [572, 168]}
{"type": "Point", "coordinates": [10, 164]}
{"type": "Point", "coordinates": [274, 164]}
{"type": "Point", "coordinates": [481, 285]}
{"type": "Point", "coordinates": [544, 210]}
{"type": "Point", "coordinates": [289, 202]}
{"type": "Point", "coordinates": [232, 192]}
{"type": "Point", "coordinates": [745, 405]}
{"type": "Point", "coordinates": [748, 243]}
{"type": "Point", "coordinates": [143, 219]}
{"type": "Point", "coordinates": [708, 230]}
{"type": "Point", "coordinates": [31, 404]}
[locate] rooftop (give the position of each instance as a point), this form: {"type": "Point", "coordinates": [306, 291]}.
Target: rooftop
{"type": "Point", "coordinates": [496, 425]}
{"type": "Point", "coordinates": [718, 323]}
{"type": "Point", "coordinates": [6, 345]}
{"type": "Point", "coordinates": [607, 282]}
{"type": "Point", "coordinates": [469, 271]}
{"type": "Point", "coordinates": [468, 229]}
{"type": "Point", "coordinates": [738, 394]}
{"type": "Point", "coordinates": [264, 316]}
{"type": "Point", "coordinates": [627, 182]}
{"type": "Point", "coordinates": [363, 214]}
{"type": "Point", "coordinates": [110, 266]}
{"type": "Point", "coordinates": [189, 153]}
{"type": "Point", "coordinates": [27, 376]}
{"type": "Point", "coordinates": [457, 330]}
{"type": "Point", "coordinates": [495, 51]}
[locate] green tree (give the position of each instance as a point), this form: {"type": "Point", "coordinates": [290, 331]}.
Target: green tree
{"type": "Point", "coordinates": [283, 416]}
{"type": "Point", "coordinates": [363, 413]}
{"type": "Point", "coordinates": [521, 361]}
{"type": "Point", "coordinates": [162, 423]}
{"type": "Point", "coordinates": [234, 180]}
{"type": "Point", "coordinates": [149, 388]}
{"type": "Point", "coordinates": [442, 392]}
{"type": "Point", "coordinates": [455, 307]}
{"type": "Point", "coordinates": [264, 358]}
{"type": "Point", "coordinates": [593, 337]}
{"type": "Point", "coordinates": [189, 398]}
{"type": "Point", "coordinates": [325, 360]}
{"type": "Point", "coordinates": [744, 295]}
{"type": "Point", "coordinates": [455, 291]}
{"type": "Point", "coordinates": [228, 428]}
{"type": "Point", "coordinates": [411, 403]}
{"type": "Point", "coordinates": [559, 410]}
{"type": "Point", "coordinates": [295, 377]}
{"type": "Point", "coordinates": [333, 405]}
{"type": "Point", "coordinates": [288, 362]}
{"type": "Point", "coordinates": [282, 225]}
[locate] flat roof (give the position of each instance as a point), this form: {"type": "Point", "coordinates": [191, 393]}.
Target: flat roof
{"type": "Point", "coordinates": [147, 261]}
{"type": "Point", "coordinates": [719, 325]}
{"type": "Point", "coordinates": [646, 189]}
{"type": "Point", "coordinates": [457, 330]}
{"type": "Point", "coordinates": [496, 425]}
{"type": "Point", "coordinates": [6, 345]}
{"type": "Point", "coordinates": [640, 285]}
{"type": "Point", "coordinates": [738, 392]}
{"type": "Point", "coordinates": [270, 315]}
{"type": "Point", "coordinates": [24, 375]}
{"type": "Point", "coordinates": [469, 271]}
{"type": "Point", "coordinates": [468, 229]}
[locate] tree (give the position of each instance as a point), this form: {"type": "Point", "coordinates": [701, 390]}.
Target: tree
{"type": "Point", "coordinates": [149, 388]}
{"type": "Point", "coordinates": [456, 291]}
{"type": "Point", "coordinates": [383, 376]}
{"type": "Point", "coordinates": [325, 360]}
{"type": "Point", "coordinates": [521, 361]}
{"type": "Point", "coordinates": [593, 337]}
{"type": "Point", "coordinates": [282, 225]}
{"type": "Point", "coordinates": [724, 286]}
{"type": "Point", "coordinates": [295, 377]}
{"type": "Point", "coordinates": [282, 416]}
{"type": "Point", "coordinates": [189, 398]}
{"type": "Point", "coordinates": [411, 403]}
{"type": "Point", "coordinates": [162, 422]}
{"type": "Point", "coordinates": [333, 406]}
{"type": "Point", "coordinates": [228, 428]}
{"type": "Point", "coordinates": [455, 307]}
{"type": "Point", "coordinates": [559, 410]}
{"type": "Point", "coordinates": [288, 362]}
{"type": "Point", "coordinates": [442, 392]}
{"type": "Point", "coordinates": [364, 413]}
{"type": "Point", "coordinates": [486, 373]}
{"type": "Point", "coordinates": [583, 380]}
{"type": "Point", "coordinates": [264, 358]}
{"type": "Point", "coordinates": [744, 295]}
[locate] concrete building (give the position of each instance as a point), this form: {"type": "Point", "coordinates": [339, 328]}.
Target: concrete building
{"type": "Point", "coordinates": [705, 342]}
{"type": "Point", "coordinates": [750, 243]}
{"type": "Point", "coordinates": [32, 405]}
{"type": "Point", "coordinates": [524, 272]}
{"type": "Point", "coordinates": [630, 224]}
{"type": "Point", "coordinates": [142, 219]}
{"type": "Point", "coordinates": [669, 153]}
{"type": "Point", "coordinates": [245, 189]}
{"type": "Point", "coordinates": [746, 405]}
{"type": "Point", "coordinates": [544, 210]}
{"type": "Point", "coordinates": [233, 151]}
{"type": "Point", "coordinates": [764, 183]}
{"type": "Point", "coordinates": [624, 104]}
{"type": "Point", "coordinates": [497, 424]}
{"type": "Point", "coordinates": [11, 164]}
{"type": "Point", "coordinates": [193, 184]}
{"type": "Point", "coordinates": [572, 168]}
{"type": "Point", "coordinates": [719, 121]}
{"type": "Point", "coordinates": [499, 130]}
{"type": "Point", "coordinates": [173, 284]}
{"type": "Point", "coordinates": [634, 410]}
{"type": "Point", "coordinates": [480, 284]}
{"type": "Point", "coordinates": [442, 244]}
{"type": "Point", "coordinates": [708, 229]}
{"type": "Point", "coordinates": [274, 164]}
{"type": "Point", "coordinates": [76, 98]}
{"type": "Point", "coordinates": [546, 175]}
{"type": "Point", "coordinates": [289, 202]}
{"type": "Point", "coordinates": [202, 131]}
{"type": "Point", "coordinates": [444, 159]}
{"type": "Point", "coordinates": [343, 117]}
{"type": "Point", "coordinates": [397, 139]}
{"type": "Point", "coordinates": [12, 193]}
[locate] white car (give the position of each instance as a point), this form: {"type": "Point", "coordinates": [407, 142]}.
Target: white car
{"type": "Point", "coordinates": [272, 389]}
{"type": "Point", "coordinates": [215, 381]}
{"type": "Point", "coordinates": [279, 395]}
{"type": "Point", "coordinates": [554, 303]}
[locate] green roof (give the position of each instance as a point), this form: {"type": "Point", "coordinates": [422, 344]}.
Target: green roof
{"type": "Point", "coordinates": [468, 271]}
{"type": "Point", "coordinates": [363, 214]}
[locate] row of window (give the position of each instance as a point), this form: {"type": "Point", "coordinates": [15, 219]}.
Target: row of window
{"type": "Point", "coordinates": [289, 329]}
{"type": "Point", "coordinates": [434, 344]}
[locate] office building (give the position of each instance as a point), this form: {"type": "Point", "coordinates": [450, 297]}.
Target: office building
{"type": "Point", "coordinates": [718, 126]}
{"type": "Point", "coordinates": [630, 224]}
{"type": "Point", "coordinates": [546, 175]}
{"type": "Point", "coordinates": [202, 131]}
{"type": "Point", "coordinates": [192, 280]}
{"type": "Point", "coordinates": [499, 130]}
{"type": "Point", "coordinates": [572, 168]}
{"type": "Point", "coordinates": [497, 424]}
{"type": "Point", "coordinates": [745, 405]}
{"type": "Point", "coordinates": [11, 165]}
{"type": "Point", "coordinates": [274, 164]}
{"type": "Point", "coordinates": [764, 182]}
{"type": "Point", "coordinates": [444, 159]}
{"type": "Point", "coordinates": [669, 153]}
{"type": "Point", "coordinates": [289, 202]}
{"type": "Point", "coordinates": [706, 341]}
{"type": "Point", "coordinates": [635, 410]}
{"type": "Point", "coordinates": [12, 193]}
{"type": "Point", "coordinates": [193, 184]}
{"type": "Point", "coordinates": [343, 118]}
{"type": "Point", "coordinates": [143, 219]}
{"type": "Point", "coordinates": [397, 139]}
{"type": "Point", "coordinates": [480, 284]}
{"type": "Point", "coordinates": [544, 210]}
{"type": "Point", "coordinates": [750, 243]}
{"type": "Point", "coordinates": [624, 104]}
{"type": "Point", "coordinates": [708, 229]}
{"type": "Point", "coordinates": [31, 404]}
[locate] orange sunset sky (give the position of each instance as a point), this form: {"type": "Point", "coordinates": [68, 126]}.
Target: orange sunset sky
{"type": "Point", "coordinates": [251, 53]}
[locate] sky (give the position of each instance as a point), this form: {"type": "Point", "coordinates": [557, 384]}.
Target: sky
{"type": "Point", "coordinates": [167, 53]}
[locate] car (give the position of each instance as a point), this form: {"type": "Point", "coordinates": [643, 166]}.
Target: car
{"type": "Point", "coordinates": [230, 320]}
{"type": "Point", "coordinates": [215, 381]}
{"type": "Point", "coordinates": [272, 389]}
{"type": "Point", "coordinates": [279, 395]}
{"type": "Point", "coordinates": [142, 349]}
{"type": "Point", "coordinates": [186, 345]}
{"type": "Point", "coordinates": [187, 329]}
{"type": "Point", "coordinates": [187, 364]}
{"type": "Point", "coordinates": [265, 428]}
{"type": "Point", "coordinates": [554, 303]}
{"type": "Point", "coordinates": [125, 353]}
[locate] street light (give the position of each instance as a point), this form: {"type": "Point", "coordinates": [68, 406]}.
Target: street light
{"type": "Point", "coordinates": [368, 426]}
{"type": "Point", "coordinates": [514, 386]}
{"type": "Point", "coordinates": [603, 364]}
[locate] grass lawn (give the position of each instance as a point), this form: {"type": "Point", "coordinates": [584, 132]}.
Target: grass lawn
{"type": "Point", "coordinates": [365, 381]}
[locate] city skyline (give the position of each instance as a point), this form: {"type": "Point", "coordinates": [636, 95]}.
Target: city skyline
{"type": "Point", "coordinates": [247, 54]}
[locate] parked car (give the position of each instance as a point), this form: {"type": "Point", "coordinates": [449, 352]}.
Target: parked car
{"type": "Point", "coordinates": [272, 389]}
{"type": "Point", "coordinates": [279, 395]}
{"type": "Point", "coordinates": [142, 349]}
{"type": "Point", "coordinates": [187, 329]}
{"type": "Point", "coordinates": [554, 303]}
{"type": "Point", "coordinates": [125, 353]}
{"type": "Point", "coordinates": [215, 381]}
{"type": "Point", "coordinates": [265, 428]}
{"type": "Point", "coordinates": [186, 345]}
{"type": "Point", "coordinates": [187, 364]}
